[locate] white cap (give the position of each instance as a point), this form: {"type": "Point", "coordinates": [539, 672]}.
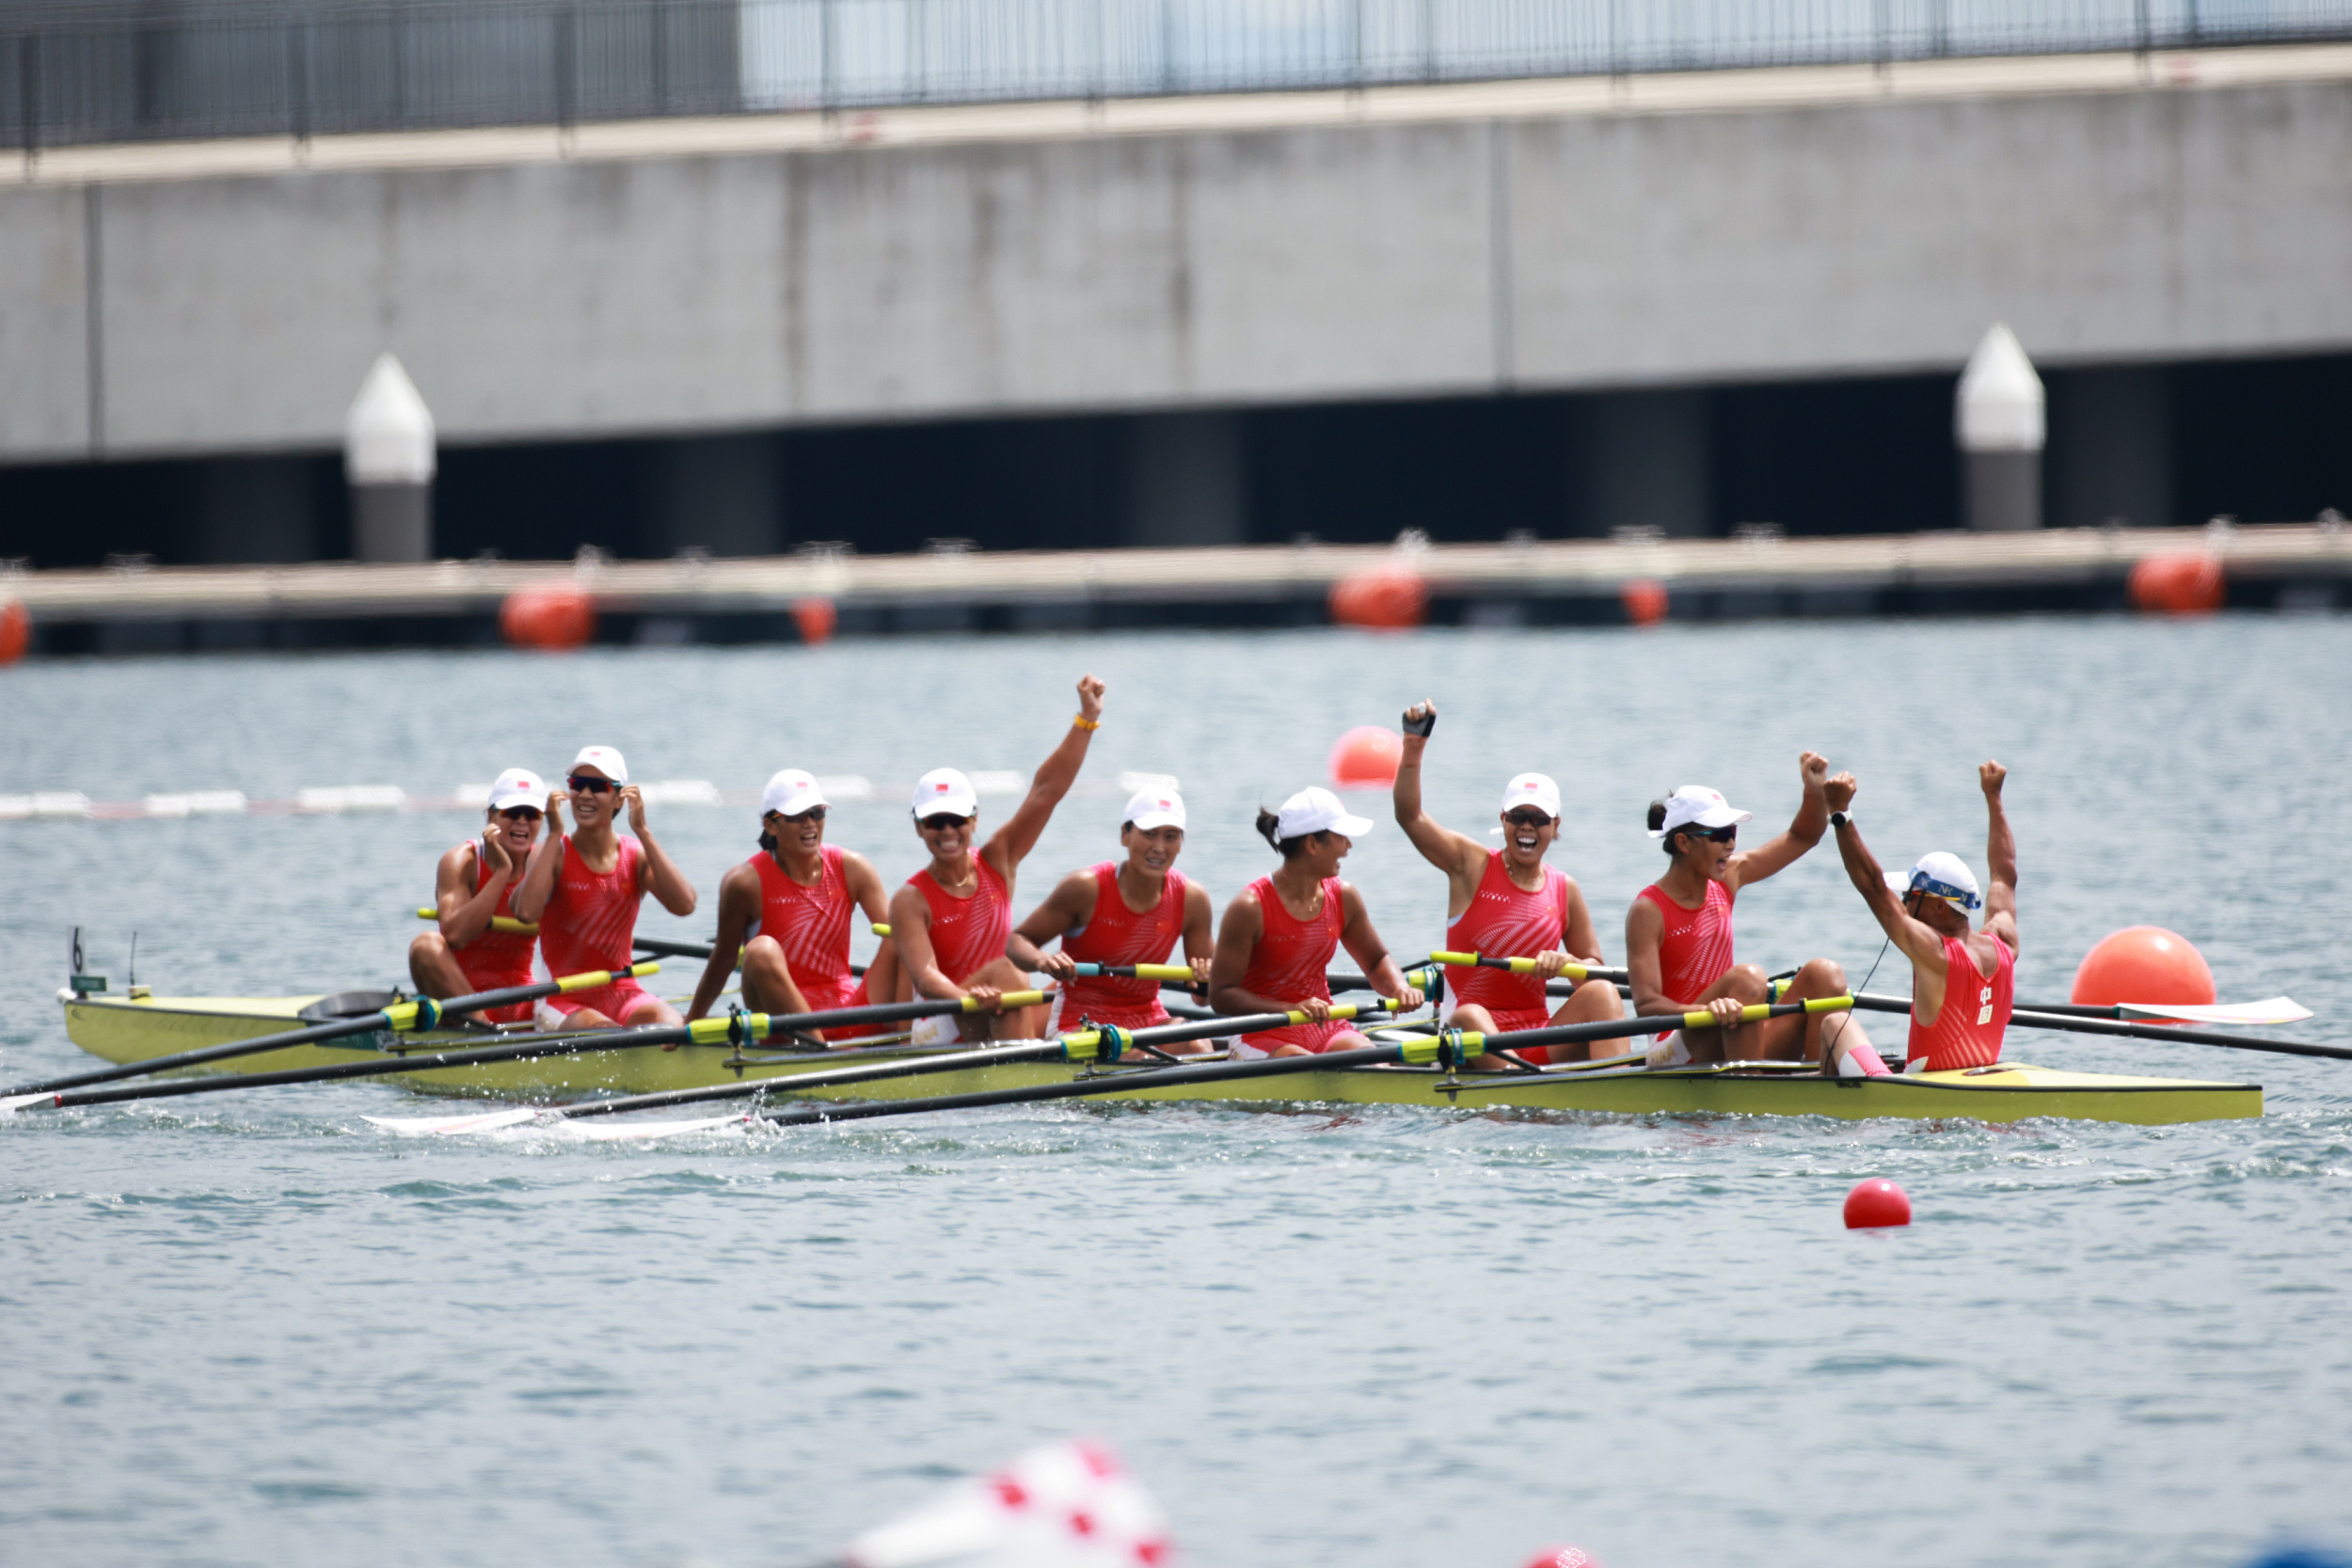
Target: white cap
{"type": "Point", "coordinates": [1155, 808]}
{"type": "Point", "coordinates": [1317, 811]}
{"type": "Point", "coordinates": [605, 760]}
{"type": "Point", "coordinates": [944, 790]}
{"type": "Point", "coordinates": [1532, 789]}
{"type": "Point", "coordinates": [1696, 804]}
{"type": "Point", "coordinates": [791, 791]}
{"type": "Point", "coordinates": [518, 787]}
{"type": "Point", "coordinates": [1940, 874]}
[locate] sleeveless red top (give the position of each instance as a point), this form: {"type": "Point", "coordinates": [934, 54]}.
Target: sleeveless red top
{"type": "Point", "coordinates": [1694, 950]}
{"type": "Point", "coordinates": [1968, 1029]}
{"type": "Point", "coordinates": [967, 934]}
{"type": "Point", "coordinates": [590, 919]}
{"type": "Point", "coordinates": [811, 924]}
{"type": "Point", "coordinates": [1114, 934]}
{"type": "Point", "coordinates": [1292, 962]}
{"type": "Point", "coordinates": [496, 958]}
{"type": "Point", "coordinates": [1505, 921]}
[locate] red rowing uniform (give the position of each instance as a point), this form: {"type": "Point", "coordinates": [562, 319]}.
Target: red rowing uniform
{"type": "Point", "coordinates": [1505, 921]}
{"type": "Point", "coordinates": [496, 958]}
{"type": "Point", "coordinates": [1695, 950]}
{"type": "Point", "coordinates": [967, 934]}
{"type": "Point", "coordinates": [1967, 1030]}
{"type": "Point", "coordinates": [1292, 962]}
{"type": "Point", "coordinates": [587, 925]}
{"type": "Point", "coordinates": [812, 926]}
{"type": "Point", "coordinates": [1116, 934]}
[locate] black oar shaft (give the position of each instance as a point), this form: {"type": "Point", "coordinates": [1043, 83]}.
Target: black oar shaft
{"type": "Point", "coordinates": [1611, 1029]}
{"type": "Point", "coordinates": [2073, 1023]}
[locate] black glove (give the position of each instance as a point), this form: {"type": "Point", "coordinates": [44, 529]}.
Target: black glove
{"type": "Point", "coordinates": [1422, 725]}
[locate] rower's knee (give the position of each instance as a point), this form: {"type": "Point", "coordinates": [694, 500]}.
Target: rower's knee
{"type": "Point", "coordinates": [1823, 977]}
{"type": "Point", "coordinates": [1747, 983]}
{"type": "Point", "coordinates": [1598, 999]}
{"type": "Point", "coordinates": [426, 948]}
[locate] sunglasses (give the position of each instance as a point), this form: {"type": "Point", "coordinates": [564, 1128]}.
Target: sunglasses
{"type": "Point", "coordinates": [944, 821]}
{"type": "Point", "coordinates": [1528, 817]}
{"type": "Point", "coordinates": [582, 784]}
{"type": "Point", "coordinates": [520, 814]}
{"type": "Point", "coordinates": [813, 814]}
{"type": "Point", "coordinates": [1715, 835]}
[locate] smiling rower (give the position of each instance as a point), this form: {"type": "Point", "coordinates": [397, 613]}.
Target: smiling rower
{"type": "Point", "coordinates": [788, 911]}
{"type": "Point", "coordinates": [1273, 948]}
{"type": "Point", "coordinates": [1677, 934]}
{"type": "Point", "coordinates": [584, 889]}
{"type": "Point", "coordinates": [1507, 903]}
{"type": "Point", "coordinates": [1125, 912]}
{"type": "Point", "coordinates": [473, 885]}
{"type": "Point", "coordinates": [951, 921]}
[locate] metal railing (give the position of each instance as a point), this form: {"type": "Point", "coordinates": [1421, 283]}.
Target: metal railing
{"type": "Point", "coordinates": [86, 74]}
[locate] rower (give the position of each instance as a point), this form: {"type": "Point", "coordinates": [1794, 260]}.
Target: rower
{"type": "Point", "coordinates": [1961, 981]}
{"type": "Point", "coordinates": [952, 920]}
{"type": "Point", "coordinates": [473, 886]}
{"type": "Point", "coordinates": [583, 890]}
{"type": "Point", "coordinates": [1119, 912]}
{"type": "Point", "coordinates": [1273, 948]}
{"type": "Point", "coordinates": [1507, 903]}
{"type": "Point", "coordinates": [1677, 934]}
{"type": "Point", "coordinates": [788, 911]}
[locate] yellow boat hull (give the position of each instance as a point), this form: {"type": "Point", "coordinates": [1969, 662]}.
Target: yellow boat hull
{"type": "Point", "coordinates": [122, 1030]}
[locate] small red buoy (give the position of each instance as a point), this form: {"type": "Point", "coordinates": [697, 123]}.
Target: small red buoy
{"type": "Point", "coordinates": [1876, 1202]}
{"type": "Point", "coordinates": [1562, 1556]}
{"type": "Point", "coordinates": [16, 630]}
{"type": "Point", "coordinates": [1386, 599]}
{"type": "Point", "coordinates": [550, 615]}
{"type": "Point", "coordinates": [2143, 964]}
{"type": "Point", "coordinates": [1366, 758]}
{"type": "Point", "coordinates": [816, 618]}
{"type": "Point", "coordinates": [2179, 582]}
{"type": "Point", "coordinates": [1644, 601]}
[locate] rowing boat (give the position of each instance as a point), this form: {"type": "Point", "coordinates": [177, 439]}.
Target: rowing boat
{"type": "Point", "coordinates": [124, 1030]}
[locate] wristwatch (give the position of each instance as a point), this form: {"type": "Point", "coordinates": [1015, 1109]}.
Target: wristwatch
{"type": "Point", "coordinates": [1839, 819]}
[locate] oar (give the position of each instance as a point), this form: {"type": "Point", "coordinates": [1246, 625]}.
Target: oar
{"type": "Point", "coordinates": [1180, 973]}
{"type": "Point", "coordinates": [508, 923]}
{"type": "Point", "coordinates": [406, 1017]}
{"type": "Point", "coordinates": [1574, 972]}
{"type": "Point", "coordinates": [2023, 1019]}
{"type": "Point", "coordinates": [1081, 1045]}
{"type": "Point", "coordinates": [703, 1031]}
{"type": "Point", "coordinates": [1474, 1044]}
{"type": "Point", "coordinates": [2276, 1010]}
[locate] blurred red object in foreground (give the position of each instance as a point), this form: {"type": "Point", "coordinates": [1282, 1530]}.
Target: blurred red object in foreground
{"type": "Point", "coordinates": [555, 615]}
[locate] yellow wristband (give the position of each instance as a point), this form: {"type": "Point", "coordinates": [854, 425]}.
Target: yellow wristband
{"type": "Point", "coordinates": [1085, 723]}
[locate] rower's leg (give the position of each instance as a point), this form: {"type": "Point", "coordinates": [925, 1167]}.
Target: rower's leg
{"type": "Point", "coordinates": [1013, 1024]}
{"type": "Point", "coordinates": [646, 1011]}
{"type": "Point", "coordinates": [1593, 1002]}
{"type": "Point", "coordinates": [434, 970]}
{"type": "Point", "coordinates": [881, 976]}
{"type": "Point", "coordinates": [1744, 984]}
{"type": "Point", "coordinates": [1795, 1039]}
{"type": "Point", "coordinates": [768, 985]}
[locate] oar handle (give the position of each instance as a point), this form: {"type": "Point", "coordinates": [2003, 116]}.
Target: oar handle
{"type": "Point", "coordinates": [1181, 972]}
{"type": "Point", "coordinates": [506, 923]}
{"type": "Point", "coordinates": [1475, 1043]}
{"type": "Point", "coordinates": [1526, 966]}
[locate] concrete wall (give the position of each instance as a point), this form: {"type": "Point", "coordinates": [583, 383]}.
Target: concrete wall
{"type": "Point", "coordinates": [1206, 270]}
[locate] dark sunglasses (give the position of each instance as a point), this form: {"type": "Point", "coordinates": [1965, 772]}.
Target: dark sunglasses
{"type": "Point", "coordinates": [943, 821]}
{"type": "Point", "coordinates": [521, 814]}
{"type": "Point", "coordinates": [1715, 835]}
{"type": "Point", "coordinates": [1527, 817]}
{"type": "Point", "coordinates": [813, 814]}
{"type": "Point", "coordinates": [586, 785]}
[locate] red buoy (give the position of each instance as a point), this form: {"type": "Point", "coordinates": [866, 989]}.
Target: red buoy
{"type": "Point", "coordinates": [1385, 599]}
{"type": "Point", "coordinates": [1644, 601]}
{"type": "Point", "coordinates": [16, 630]}
{"type": "Point", "coordinates": [1875, 1203]}
{"type": "Point", "coordinates": [1366, 758]}
{"type": "Point", "coordinates": [2143, 964]}
{"type": "Point", "coordinates": [816, 618]}
{"type": "Point", "coordinates": [2179, 582]}
{"type": "Point", "coordinates": [548, 615]}
{"type": "Point", "coordinates": [1562, 1556]}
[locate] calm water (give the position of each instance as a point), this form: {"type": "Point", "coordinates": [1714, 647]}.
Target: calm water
{"type": "Point", "coordinates": [253, 1330]}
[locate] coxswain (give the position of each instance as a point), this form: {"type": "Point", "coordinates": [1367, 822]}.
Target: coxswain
{"type": "Point", "coordinates": [473, 886]}
{"type": "Point", "coordinates": [1963, 981]}
{"type": "Point", "coordinates": [1274, 946]}
{"type": "Point", "coordinates": [788, 911]}
{"type": "Point", "coordinates": [1506, 903]}
{"type": "Point", "coordinates": [951, 921]}
{"type": "Point", "coordinates": [1119, 912]}
{"type": "Point", "coordinates": [584, 889]}
{"type": "Point", "coordinates": [1677, 934]}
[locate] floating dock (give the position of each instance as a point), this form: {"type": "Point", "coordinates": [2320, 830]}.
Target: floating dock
{"type": "Point", "coordinates": [139, 608]}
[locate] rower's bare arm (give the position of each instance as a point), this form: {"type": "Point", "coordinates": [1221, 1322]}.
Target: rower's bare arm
{"type": "Point", "coordinates": [1237, 937]}
{"type": "Point", "coordinates": [1200, 932]}
{"type": "Point", "coordinates": [1010, 844]}
{"type": "Point", "coordinates": [1371, 954]}
{"type": "Point", "coordinates": [1583, 935]}
{"type": "Point", "coordinates": [1068, 906]}
{"type": "Point", "coordinates": [465, 911]}
{"type": "Point", "coordinates": [1461, 857]}
{"type": "Point", "coordinates": [538, 883]}
{"type": "Point", "coordinates": [1822, 794]}
{"type": "Point", "coordinates": [2000, 856]}
{"type": "Point", "coordinates": [1645, 929]}
{"type": "Point", "coordinates": [663, 880]}
{"type": "Point", "coordinates": [872, 898]}
{"type": "Point", "coordinates": [911, 934]}
{"type": "Point", "coordinates": [1917, 940]}
{"type": "Point", "coordinates": [738, 902]}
